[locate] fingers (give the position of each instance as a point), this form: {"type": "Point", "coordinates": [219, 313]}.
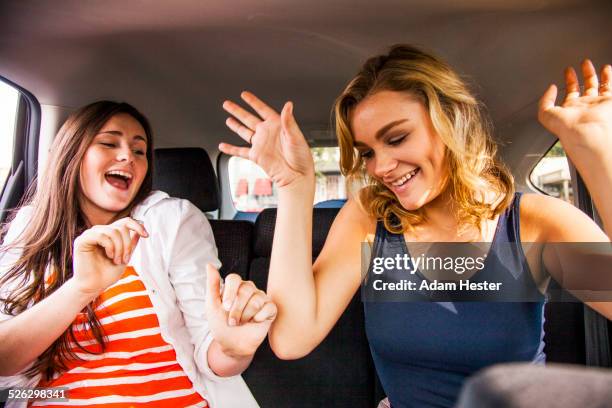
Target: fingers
{"type": "Point", "coordinates": [241, 130]}
{"type": "Point", "coordinates": [108, 238]}
{"type": "Point", "coordinates": [118, 239]}
{"type": "Point", "coordinates": [547, 101]}
{"type": "Point", "coordinates": [243, 301]}
{"type": "Point", "coordinates": [246, 291]}
{"type": "Point", "coordinates": [133, 225]}
{"type": "Point", "coordinates": [606, 77]}
{"type": "Point", "coordinates": [213, 291]}
{"type": "Point", "coordinates": [591, 84]}
{"type": "Point", "coordinates": [131, 231]}
{"type": "Point", "coordinates": [254, 305]}
{"type": "Point", "coordinates": [242, 119]}
{"type": "Point", "coordinates": [258, 105]}
{"type": "Point", "coordinates": [267, 312]}
{"type": "Point", "coordinates": [288, 123]}
{"type": "Point", "coordinates": [547, 111]}
{"type": "Point", "coordinates": [126, 241]}
{"type": "Point", "coordinates": [105, 242]}
{"type": "Point", "coordinates": [133, 243]}
{"type": "Point", "coordinates": [230, 290]}
{"type": "Point", "coordinates": [572, 86]}
{"type": "Point", "coordinates": [234, 150]}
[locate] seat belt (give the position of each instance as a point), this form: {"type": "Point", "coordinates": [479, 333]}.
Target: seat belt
{"type": "Point", "coordinates": [596, 336]}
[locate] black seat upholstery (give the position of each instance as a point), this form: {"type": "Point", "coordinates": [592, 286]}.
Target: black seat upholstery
{"type": "Point", "coordinates": [187, 173]}
{"type": "Point", "coordinates": [564, 332]}
{"type": "Point", "coordinates": [339, 372]}
{"type": "Point", "coordinates": [233, 239]}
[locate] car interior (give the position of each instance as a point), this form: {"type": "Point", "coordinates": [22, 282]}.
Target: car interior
{"type": "Point", "coordinates": [178, 61]}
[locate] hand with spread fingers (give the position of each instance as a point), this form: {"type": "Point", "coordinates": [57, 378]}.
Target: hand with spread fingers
{"type": "Point", "coordinates": [583, 122]}
{"type": "Point", "coordinates": [277, 143]}
{"type": "Point", "coordinates": [240, 317]}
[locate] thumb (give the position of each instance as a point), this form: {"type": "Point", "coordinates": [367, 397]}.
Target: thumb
{"type": "Point", "coordinates": [546, 108]}
{"type": "Point", "coordinates": [213, 282]}
{"type": "Point", "coordinates": [288, 123]}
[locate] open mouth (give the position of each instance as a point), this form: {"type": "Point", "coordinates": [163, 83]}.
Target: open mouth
{"type": "Point", "coordinates": [406, 179]}
{"type": "Point", "coordinates": [119, 179]}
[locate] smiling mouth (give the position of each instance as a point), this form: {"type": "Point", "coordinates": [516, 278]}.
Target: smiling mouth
{"type": "Point", "coordinates": [402, 181]}
{"type": "Point", "coordinates": [118, 179]}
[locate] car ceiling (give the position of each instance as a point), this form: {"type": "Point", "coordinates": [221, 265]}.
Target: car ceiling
{"type": "Point", "coordinates": [177, 61]}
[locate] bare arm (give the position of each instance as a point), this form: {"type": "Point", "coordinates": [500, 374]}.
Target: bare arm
{"type": "Point", "coordinates": [560, 224]}
{"type": "Point", "coordinates": [309, 299]}
{"type": "Point", "coordinates": [583, 124]}
{"type": "Point", "coordinates": [26, 336]}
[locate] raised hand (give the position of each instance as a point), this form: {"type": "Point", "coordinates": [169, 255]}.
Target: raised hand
{"type": "Point", "coordinates": [583, 122]}
{"type": "Point", "coordinates": [277, 143]}
{"type": "Point", "coordinates": [240, 318]}
{"type": "Point", "coordinates": [101, 253]}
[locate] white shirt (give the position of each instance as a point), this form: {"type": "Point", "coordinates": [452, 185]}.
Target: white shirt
{"type": "Point", "coordinates": [172, 265]}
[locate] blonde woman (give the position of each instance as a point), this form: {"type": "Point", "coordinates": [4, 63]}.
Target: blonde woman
{"type": "Point", "coordinates": [104, 283]}
{"type": "Point", "coordinates": [410, 127]}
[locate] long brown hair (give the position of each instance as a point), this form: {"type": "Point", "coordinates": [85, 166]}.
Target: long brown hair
{"type": "Point", "coordinates": [457, 117]}
{"type": "Point", "coordinates": [56, 220]}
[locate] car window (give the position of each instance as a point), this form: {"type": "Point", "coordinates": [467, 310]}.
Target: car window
{"type": "Point", "coordinates": [252, 190]}
{"type": "Point", "coordinates": [552, 174]}
{"type": "Point", "coordinates": [9, 98]}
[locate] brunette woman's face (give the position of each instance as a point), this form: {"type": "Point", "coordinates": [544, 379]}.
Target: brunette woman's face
{"type": "Point", "coordinates": [113, 168]}
{"type": "Point", "coordinates": [396, 138]}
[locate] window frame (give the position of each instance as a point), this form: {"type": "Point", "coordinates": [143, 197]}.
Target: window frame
{"type": "Point", "coordinates": [25, 150]}
{"type": "Point", "coordinates": [531, 184]}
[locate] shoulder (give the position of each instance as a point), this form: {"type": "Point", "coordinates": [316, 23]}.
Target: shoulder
{"type": "Point", "coordinates": [170, 219]}
{"type": "Point", "coordinates": [159, 205]}
{"type": "Point", "coordinates": [18, 223]}
{"type": "Point", "coordinates": [549, 219]}
{"type": "Point", "coordinates": [355, 217]}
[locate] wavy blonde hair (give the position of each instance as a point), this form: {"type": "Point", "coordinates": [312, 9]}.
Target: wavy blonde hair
{"type": "Point", "coordinates": [472, 166]}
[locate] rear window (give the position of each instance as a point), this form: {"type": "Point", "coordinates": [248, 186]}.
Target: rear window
{"type": "Point", "coordinates": [552, 174]}
{"type": "Point", "coordinates": [253, 191]}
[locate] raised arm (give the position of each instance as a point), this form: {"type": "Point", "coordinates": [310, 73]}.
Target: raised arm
{"type": "Point", "coordinates": [583, 124]}
{"type": "Point", "coordinates": [309, 300]}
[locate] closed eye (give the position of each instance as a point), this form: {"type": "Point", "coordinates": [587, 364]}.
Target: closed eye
{"type": "Point", "coordinates": [107, 144]}
{"type": "Point", "coordinates": [397, 140]}
{"type": "Point", "coordinates": [366, 154]}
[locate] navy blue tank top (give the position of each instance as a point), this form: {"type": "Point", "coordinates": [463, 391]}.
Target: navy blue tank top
{"type": "Point", "coordinates": [424, 351]}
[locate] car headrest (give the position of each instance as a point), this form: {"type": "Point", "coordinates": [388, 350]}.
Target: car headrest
{"type": "Point", "coordinates": [187, 173]}
{"type": "Point", "coordinates": [322, 219]}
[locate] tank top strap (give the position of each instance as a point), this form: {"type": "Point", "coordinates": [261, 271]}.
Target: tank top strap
{"type": "Point", "coordinates": [508, 224]}
{"type": "Point", "coordinates": [513, 222]}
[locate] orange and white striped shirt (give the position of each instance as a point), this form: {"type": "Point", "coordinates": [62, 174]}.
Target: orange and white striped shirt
{"type": "Point", "coordinates": [137, 369]}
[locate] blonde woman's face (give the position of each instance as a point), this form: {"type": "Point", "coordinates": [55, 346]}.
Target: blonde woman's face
{"type": "Point", "coordinates": [396, 139]}
{"type": "Point", "coordinates": [113, 168]}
